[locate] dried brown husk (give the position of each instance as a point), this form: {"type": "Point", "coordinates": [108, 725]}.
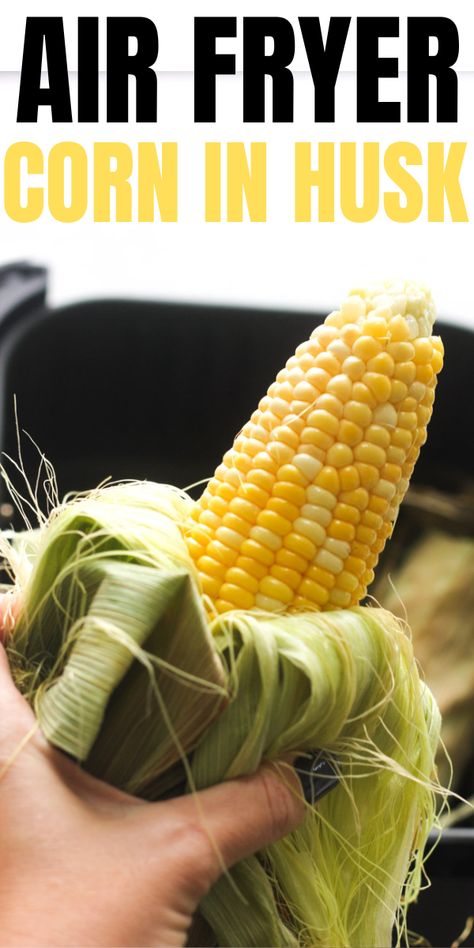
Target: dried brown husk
{"type": "Point", "coordinates": [427, 578]}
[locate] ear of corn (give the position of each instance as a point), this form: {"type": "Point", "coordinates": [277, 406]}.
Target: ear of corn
{"type": "Point", "coordinates": [114, 649]}
{"type": "Point", "coordinates": [300, 509]}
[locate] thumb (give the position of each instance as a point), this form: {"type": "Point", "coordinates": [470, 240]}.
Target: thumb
{"type": "Point", "coordinates": [239, 817]}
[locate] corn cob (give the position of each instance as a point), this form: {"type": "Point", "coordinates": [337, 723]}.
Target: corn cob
{"type": "Point", "coordinates": [300, 509]}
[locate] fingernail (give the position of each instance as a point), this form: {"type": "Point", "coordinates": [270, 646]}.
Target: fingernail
{"type": "Point", "coordinates": [317, 776]}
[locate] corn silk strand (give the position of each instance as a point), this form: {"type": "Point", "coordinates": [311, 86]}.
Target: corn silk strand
{"type": "Point", "coordinates": [115, 652]}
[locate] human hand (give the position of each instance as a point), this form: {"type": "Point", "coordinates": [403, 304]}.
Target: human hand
{"type": "Point", "coordinates": [84, 864]}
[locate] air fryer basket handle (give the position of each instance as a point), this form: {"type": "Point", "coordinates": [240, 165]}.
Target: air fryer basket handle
{"type": "Point", "coordinates": [23, 288]}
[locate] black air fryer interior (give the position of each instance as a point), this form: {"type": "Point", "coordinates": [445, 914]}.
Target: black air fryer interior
{"type": "Point", "coordinates": [158, 390]}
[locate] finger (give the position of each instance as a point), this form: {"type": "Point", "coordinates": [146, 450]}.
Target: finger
{"type": "Point", "coordinates": [240, 817]}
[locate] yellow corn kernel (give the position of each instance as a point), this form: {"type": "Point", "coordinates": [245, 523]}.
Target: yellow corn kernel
{"type": "Point", "coordinates": [331, 404]}
{"type": "Point", "coordinates": [221, 552]}
{"type": "Point", "coordinates": [239, 597]}
{"type": "Point", "coordinates": [239, 577]}
{"type": "Point", "coordinates": [291, 560]}
{"type": "Point", "coordinates": [366, 347]}
{"type": "Point", "coordinates": [340, 598]}
{"type": "Point", "coordinates": [289, 473]}
{"type": "Point", "coordinates": [310, 529]}
{"type": "Point", "coordinates": [362, 393]}
{"type": "Point", "coordinates": [407, 419]}
{"type": "Point", "coordinates": [328, 479]}
{"type": "Point", "coordinates": [318, 439]}
{"type": "Point", "coordinates": [376, 434]}
{"type": "Point", "coordinates": [350, 332]}
{"type": "Point", "coordinates": [424, 373]}
{"type": "Point", "coordinates": [255, 569]}
{"type": "Point", "coordinates": [379, 385]}
{"type": "Point", "coordinates": [349, 478]}
{"type": "Point", "coordinates": [369, 453]}
{"type": "Point", "coordinates": [196, 549]}
{"type": "Point", "coordinates": [328, 362]}
{"type": "Point", "coordinates": [355, 566]}
{"type": "Point", "coordinates": [358, 498]}
{"type": "Point", "coordinates": [347, 581]}
{"type": "Point", "coordinates": [366, 535]}
{"type": "Point", "coordinates": [361, 551]}
{"type": "Point", "coordinates": [409, 403]}
{"type": "Point", "coordinates": [341, 387]}
{"type": "Point", "coordinates": [293, 493]}
{"type": "Point", "coordinates": [376, 326]}
{"type": "Point", "coordinates": [324, 421]}
{"type": "Point", "coordinates": [300, 545]}
{"type": "Point", "coordinates": [385, 415]}
{"type": "Point", "coordinates": [381, 363]}
{"type": "Point", "coordinates": [371, 519]}
{"type": "Point", "coordinates": [341, 530]}
{"type": "Point", "coordinates": [308, 466]}
{"type": "Point", "coordinates": [368, 474]}
{"type": "Point", "coordinates": [339, 348]}
{"type": "Point", "coordinates": [283, 508]}
{"type": "Point", "coordinates": [314, 592]}
{"type": "Point", "coordinates": [346, 512]}
{"type": "Point", "coordinates": [200, 533]}
{"type": "Point", "coordinates": [385, 489]}
{"type": "Point", "coordinates": [402, 438]}
{"type": "Point", "coordinates": [210, 519]}
{"type": "Point", "coordinates": [398, 329]}
{"type": "Point", "coordinates": [377, 504]}
{"type": "Point", "coordinates": [319, 514]}
{"type": "Point", "coordinates": [279, 452]}
{"type": "Point", "coordinates": [210, 587]}
{"type": "Point", "coordinates": [423, 351]}
{"type": "Point", "coordinates": [257, 551]}
{"type": "Point", "coordinates": [237, 524]}
{"type": "Point", "coordinates": [226, 491]}
{"type": "Point", "coordinates": [210, 566]}
{"type": "Point", "coordinates": [358, 412]}
{"type": "Point", "coordinates": [274, 588]}
{"type": "Point", "coordinates": [398, 391]}
{"type": "Point", "coordinates": [290, 577]}
{"type": "Point", "coordinates": [264, 462]}
{"type": "Point", "coordinates": [322, 576]}
{"type": "Point", "coordinates": [266, 537]}
{"type": "Point", "coordinates": [401, 351]}
{"type": "Point", "coordinates": [262, 479]}
{"type": "Point", "coordinates": [354, 368]}
{"type": "Point", "coordinates": [329, 561]}
{"type": "Point", "coordinates": [318, 378]}
{"type": "Point", "coordinates": [405, 372]}
{"type": "Point", "coordinates": [218, 505]}
{"type": "Point", "coordinates": [350, 433]}
{"type": "Point", "coordinates": [273, 522]}
{"type": "Point", "coordinates": [244, 509]}
{"type": "Point", "coordinates": [340, 455]}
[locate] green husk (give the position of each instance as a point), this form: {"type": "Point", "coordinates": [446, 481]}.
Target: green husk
{"type": "Point", "coordinates": [115, 653]}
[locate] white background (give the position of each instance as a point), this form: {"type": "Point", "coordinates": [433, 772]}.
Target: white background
{"type": "Point", "coordinates": [278, 263]}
